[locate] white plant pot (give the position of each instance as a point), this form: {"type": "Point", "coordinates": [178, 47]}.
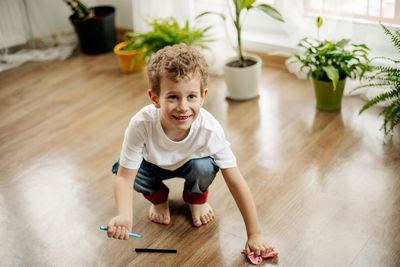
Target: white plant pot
{"type": "Point", "coordinates": [242, 83]}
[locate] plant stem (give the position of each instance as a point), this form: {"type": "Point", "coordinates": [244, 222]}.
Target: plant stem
{"type": "Point", "coordinates": [239, 38]}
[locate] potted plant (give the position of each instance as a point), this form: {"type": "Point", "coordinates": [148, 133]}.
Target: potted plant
{"type": "Point", "coordinates": [389, 77]}
{"type": "Point", "coordinates": [242, 72]}
{"type": "Point", "coordinates": [138, 47]}
{"type": "Point", "coordinates": [328, 64]}
{"type": "Point", "coordinates": [94, 26]}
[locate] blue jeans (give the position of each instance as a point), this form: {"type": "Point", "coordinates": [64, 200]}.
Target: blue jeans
{"type": "Point", "coordinates": [198, 175]}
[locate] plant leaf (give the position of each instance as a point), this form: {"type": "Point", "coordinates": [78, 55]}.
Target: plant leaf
{"type": "Point", "coordinates": [270, 11]}
{"type": "Point", "coordinates": [342, 42]}
{"type": "Point", "coordinates": [212, 13]}
{"type": "Point", "coordinates": [333, 74]}
{"type": "Point", "coordinates": [247, 4]}
{"type": "Point", "coordinates": [319, 22]}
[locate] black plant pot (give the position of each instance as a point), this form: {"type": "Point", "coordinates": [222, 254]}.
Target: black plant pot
{"type": "Point", "coordinates": [96, 34]}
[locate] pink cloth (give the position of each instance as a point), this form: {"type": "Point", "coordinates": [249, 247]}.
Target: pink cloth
{"type": "Point", "coordinates": [258, 259]}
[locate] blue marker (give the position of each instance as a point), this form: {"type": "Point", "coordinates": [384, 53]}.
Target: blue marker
{"type": "Point", "coordinates": [130, 234]}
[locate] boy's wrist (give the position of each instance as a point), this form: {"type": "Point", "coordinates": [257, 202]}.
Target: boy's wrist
{"type": "Point", "coordinates": [126, 215]}
{"type": "Point", "coordinates": [252, 234]}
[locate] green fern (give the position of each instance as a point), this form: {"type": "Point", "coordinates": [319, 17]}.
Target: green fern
{"type": "Point", "coordinates": [390, 77]}
{"type": "Point", "coordinates": [166, 31]}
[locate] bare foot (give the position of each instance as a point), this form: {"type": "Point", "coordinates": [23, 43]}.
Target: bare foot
{"type": "Point", "coordinates": [201, 213]}
{"type": "Point", "coordinates": [160, 213]}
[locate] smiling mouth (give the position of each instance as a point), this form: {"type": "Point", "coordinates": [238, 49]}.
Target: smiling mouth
{"type": "Point", "coordinates": [181, 118]}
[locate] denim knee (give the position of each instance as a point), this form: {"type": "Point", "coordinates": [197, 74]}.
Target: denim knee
{"type": "Point", "coordinates": [145, 185]}
{"type": "Point", "coordinates": [199, 174]}
{"type": "Point", "coordinates": [144, 182]}
{"type": "Point", "coordinates": [149, 178]}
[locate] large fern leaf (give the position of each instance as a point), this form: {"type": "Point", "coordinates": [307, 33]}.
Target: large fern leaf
{"type": "Point", "coordinates": [390, 77]}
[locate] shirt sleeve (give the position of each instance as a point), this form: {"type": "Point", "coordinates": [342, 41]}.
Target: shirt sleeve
{"type": "Point", "coordinates": [221, 149]}
{"type": "Point", "coordinates": [132, 148]}
{"type": "Point", "coordinates": [225, 158]}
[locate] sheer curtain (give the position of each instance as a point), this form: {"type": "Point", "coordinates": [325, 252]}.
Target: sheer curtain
{"type": "Point", "coordinates": [34, 30]}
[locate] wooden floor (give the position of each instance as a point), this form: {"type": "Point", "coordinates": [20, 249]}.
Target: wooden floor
{"type": "Point", "coordinates": [326, 185]}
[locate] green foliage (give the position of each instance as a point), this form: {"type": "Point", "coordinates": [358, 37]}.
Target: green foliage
{"type": "Point", "coordinates": [166, 32]}
{"type": "Point", "coordinates": [319, 22]}
{"type": "Point", "coordinates": [241, 9]}
{"type": "Point", "coordinates": [333, 61]}
{"type": "Point", "coordinates": [80, 9]}
{"type": "Point", "coordinates": [388, 77]}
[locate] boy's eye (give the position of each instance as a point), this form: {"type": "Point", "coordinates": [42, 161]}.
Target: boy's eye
{"type": "Point", "coordinates": [192, 96]}
{"type": "Point", "coordinates": [172, 97]}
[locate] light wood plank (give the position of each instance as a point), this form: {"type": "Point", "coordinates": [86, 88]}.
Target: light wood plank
{"type": "Point", "coordinates": [326, 185]}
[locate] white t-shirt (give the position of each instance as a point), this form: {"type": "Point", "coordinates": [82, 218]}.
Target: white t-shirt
{"type": "Point", "coordinates": [145, 138]}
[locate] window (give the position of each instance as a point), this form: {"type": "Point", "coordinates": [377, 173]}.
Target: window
{"type": "Point", "coordinates": [373, 10]}
{"type": "Point", "coordinates": [269, 2]}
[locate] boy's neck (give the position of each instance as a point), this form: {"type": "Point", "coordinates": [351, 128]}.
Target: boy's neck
{"type": "Point", "coordinates": [175, 136]}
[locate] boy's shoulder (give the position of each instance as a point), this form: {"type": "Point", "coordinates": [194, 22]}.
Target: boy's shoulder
{"type": "Point", "coordinates": [146, 114]}
{"type": "Point", "coordinates": [208, 121]}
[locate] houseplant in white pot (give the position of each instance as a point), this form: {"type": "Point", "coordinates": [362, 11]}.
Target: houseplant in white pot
{"type": "Point", "coordinates": [242, 72]}
{"type": "Point", "coordinates": [328, 64]}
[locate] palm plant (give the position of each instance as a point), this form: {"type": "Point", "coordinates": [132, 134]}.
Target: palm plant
{"type": "Point", "coordinates": [241, 9]}
{"type": "Point", "coordinates": [388, 77]}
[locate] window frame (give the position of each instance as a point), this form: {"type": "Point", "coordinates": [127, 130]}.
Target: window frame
{"type": "Point", "coordinates": [350, 15]}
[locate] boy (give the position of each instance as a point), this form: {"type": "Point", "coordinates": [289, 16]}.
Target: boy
{"type": "Point", "coordinates": [175, 137]}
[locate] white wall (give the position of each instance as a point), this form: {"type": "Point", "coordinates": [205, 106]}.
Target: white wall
{"type": "Point", "coordinates": [123, 12]}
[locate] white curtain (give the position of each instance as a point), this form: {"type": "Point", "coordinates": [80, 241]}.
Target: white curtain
{"type": "Point", "coordinates": [147, 9]}
{"type": "Point", "coordinates": [220, 49]}
{"type": "Point", "coordinates": [34, 30]}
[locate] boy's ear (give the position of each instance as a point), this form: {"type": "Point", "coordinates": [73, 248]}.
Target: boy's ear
{"type": "Point", "coordinates": [154, 98]}
{"type": "Point", "coordinates": [203, 97]}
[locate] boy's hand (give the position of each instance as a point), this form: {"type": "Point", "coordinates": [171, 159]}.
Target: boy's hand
{"type": "Point", "coordinates": [119, 227]}
{"type": "Point", "coordinates": [258, 245]}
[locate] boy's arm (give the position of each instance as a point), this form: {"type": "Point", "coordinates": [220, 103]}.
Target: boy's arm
{"type": "Point", "coordinates": [121, 225]}
{"type": "Point", "coordinates": [123, 190]}
{"type": "Point", "coordinates": [244, 200]}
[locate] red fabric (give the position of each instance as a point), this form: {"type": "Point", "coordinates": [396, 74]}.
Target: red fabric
{"type": "Point", "coordinates": [258, 259]}
{"type": "Point", "coordinates": [160, 196]}
{"type": "Point", "coordinates": [193, 198]}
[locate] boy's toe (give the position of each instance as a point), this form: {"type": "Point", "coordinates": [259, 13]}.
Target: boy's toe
{"type": "Point", "coordinates": [197, 222]}
{"type": "Point", "coordinates": [166, 221]}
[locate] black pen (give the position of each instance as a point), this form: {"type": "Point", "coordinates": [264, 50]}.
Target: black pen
{"type": "Point", "coordinates": [156, 250]}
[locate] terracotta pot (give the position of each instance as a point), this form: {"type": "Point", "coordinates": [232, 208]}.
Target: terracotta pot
{"type": "Point", "coordinates": [129, 61]}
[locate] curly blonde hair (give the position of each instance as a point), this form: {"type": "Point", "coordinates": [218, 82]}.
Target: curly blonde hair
{"type": "Point", "coordinates": [176, 62]}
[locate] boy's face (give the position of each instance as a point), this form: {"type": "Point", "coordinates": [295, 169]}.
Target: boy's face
{"type": "Point", "coordinates": [179, 103]}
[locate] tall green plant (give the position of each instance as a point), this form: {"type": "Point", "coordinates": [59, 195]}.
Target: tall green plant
{"type": "Point", "coordinates": [166, 31]}
{"type": "Point", "coordinates": [241, 9]}
{"type": "Point", "coordinates": [388, 77]}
